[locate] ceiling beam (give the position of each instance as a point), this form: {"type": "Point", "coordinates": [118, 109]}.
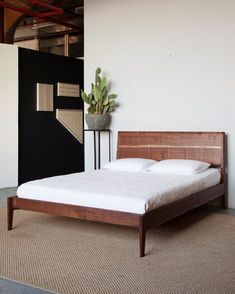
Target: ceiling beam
{"type": "Point", "coordinates": [40, 15]}
{"type": "Point", "coordinates": [1, 24]}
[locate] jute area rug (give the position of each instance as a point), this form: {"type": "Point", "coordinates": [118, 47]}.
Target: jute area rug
{"type": "Point", "coordinates": [192, 254]}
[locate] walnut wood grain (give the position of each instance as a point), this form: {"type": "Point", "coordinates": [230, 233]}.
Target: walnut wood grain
{"type": "Point", "coordinates": [205, 146]}
{"type": "Point", "coordinates": [74, 211]}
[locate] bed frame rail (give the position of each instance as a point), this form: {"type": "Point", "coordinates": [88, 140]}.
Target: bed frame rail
{"type": "Point", "coordinates": [73, 211]}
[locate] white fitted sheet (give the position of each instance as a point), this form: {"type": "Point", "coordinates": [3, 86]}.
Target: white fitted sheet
{"type": "Point", "coordinates": [136, 192]}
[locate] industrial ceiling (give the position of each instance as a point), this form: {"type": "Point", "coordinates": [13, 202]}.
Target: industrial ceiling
{"type": "Point", "coordinates": [14, 13]}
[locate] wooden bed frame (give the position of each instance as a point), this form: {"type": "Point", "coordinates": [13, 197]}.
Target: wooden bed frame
{"type": "Point", "coordinates": [204, 146]}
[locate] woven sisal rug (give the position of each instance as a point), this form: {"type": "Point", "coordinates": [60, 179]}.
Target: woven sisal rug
{"type": "Point", "coordinates": [192, 254]}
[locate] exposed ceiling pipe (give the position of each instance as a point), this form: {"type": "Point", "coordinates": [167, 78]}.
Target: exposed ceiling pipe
{"type": "Point", "coordinates": [44, 15]}
{"type": "Point", "coordinates": [54, 9]}
{"type": "Point", "coordinates": [31, 12]}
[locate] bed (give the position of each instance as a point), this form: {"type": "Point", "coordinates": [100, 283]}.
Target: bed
{"type": "Point", "coordinates": [204, 146]}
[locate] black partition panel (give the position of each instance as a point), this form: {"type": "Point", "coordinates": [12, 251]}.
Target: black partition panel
{"type": "Point", "coordinates": [46, 147]}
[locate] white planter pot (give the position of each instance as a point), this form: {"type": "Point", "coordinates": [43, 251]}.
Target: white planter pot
{"type": "Point", "coordinates": [98, 121]}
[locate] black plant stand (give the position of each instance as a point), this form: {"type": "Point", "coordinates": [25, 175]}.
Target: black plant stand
{"type": "Point", "coordinates": [96, 134]}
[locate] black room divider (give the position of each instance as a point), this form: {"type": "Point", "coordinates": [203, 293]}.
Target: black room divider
{"type": "Point", "coordinates": [46, 147]}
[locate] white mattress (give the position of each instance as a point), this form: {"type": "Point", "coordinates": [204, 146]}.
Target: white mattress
{"type": "Point", "coordinates": [135, 192]}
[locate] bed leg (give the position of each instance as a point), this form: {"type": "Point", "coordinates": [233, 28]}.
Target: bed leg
{"type": "Point", "coordinates": [225, 201]}
{"type": "Point", "coordinates": [142, 236]}
{"type": "Point", "coordinates": [10, 212]}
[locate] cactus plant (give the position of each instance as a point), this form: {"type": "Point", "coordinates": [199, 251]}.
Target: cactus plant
{"type": "Point", "coordinates": [99, 100]}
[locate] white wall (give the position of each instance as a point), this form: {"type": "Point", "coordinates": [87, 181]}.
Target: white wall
{"type": "Point", "coordinates": [172, 63]}
{"type": "Point", "coordinates": [8, 115]}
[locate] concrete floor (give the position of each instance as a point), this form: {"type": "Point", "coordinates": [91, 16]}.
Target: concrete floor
{"type": "Point", "coordinates": [228, 211]}
{"type": "Point", "coordinates": [12, 287]}
{"type": "Point", "coordinates": [4, 193]}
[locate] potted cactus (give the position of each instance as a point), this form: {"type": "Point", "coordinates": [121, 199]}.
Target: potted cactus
{"type": "Point", "coordinates": [100, 102]}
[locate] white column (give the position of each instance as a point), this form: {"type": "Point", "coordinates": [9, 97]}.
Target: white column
{"type": "Point", "coordinates": [8, 115]}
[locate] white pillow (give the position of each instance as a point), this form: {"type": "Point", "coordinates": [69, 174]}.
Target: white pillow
{"type": "Point", "coordinates": [130, 164]}
{"type": "Point", "coordinates": [179, 167]}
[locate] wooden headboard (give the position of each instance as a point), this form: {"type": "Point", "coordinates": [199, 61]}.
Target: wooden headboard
{"type": "Point", "coordinates": [205, 146]}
